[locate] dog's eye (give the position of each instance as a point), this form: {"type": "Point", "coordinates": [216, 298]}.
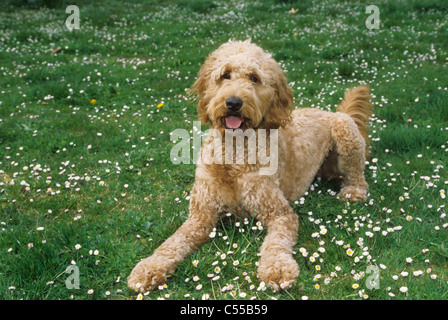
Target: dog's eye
{"type": "Point", "coordinates": [254, 79]}
{"type": "Point", "coordinates": [225, 76]}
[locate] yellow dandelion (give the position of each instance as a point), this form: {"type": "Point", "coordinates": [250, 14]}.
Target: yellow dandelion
{"type": "Point", "coordinates": [93, 101]}
{"type": "Point", "coordinates": [160, 105]}
{"type": "Point", "coordinates": [293, 11]}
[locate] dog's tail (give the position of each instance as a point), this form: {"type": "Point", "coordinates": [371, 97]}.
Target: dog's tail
{"type": "Point", "coordinates": [357, 105]}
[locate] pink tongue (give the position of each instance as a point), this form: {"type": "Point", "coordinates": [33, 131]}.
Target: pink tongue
{"type": "Point", "coordinates": [233, 122]}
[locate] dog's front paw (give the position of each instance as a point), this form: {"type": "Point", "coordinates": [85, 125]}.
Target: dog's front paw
{"type": "Point", "coordinates": [278, 271]}
{"type": "Point", "coordinates": [147, 275]}
{"type": "Point", "coordinates": [352, 194]}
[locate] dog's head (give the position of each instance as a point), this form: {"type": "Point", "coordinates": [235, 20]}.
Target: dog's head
{"type": "Point", "coordinates": [240, 87]}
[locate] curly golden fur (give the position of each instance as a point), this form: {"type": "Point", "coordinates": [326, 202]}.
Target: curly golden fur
{"type": "Point", "coordinates": [242, 87]}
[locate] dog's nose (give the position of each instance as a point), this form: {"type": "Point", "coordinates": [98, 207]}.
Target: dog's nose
{"type": "Point", "coordinates": [234, 104]}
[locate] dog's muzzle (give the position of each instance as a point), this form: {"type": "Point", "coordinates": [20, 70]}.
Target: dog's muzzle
{"type": "Point", "coordinates": [233, 121]}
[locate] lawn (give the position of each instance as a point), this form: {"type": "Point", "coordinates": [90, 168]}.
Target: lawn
{"type": "Point", "coordinates": [86, 179]}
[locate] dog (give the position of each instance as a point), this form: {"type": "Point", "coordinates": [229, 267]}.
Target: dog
{"type": "Point", "coordinates": [241, 87]}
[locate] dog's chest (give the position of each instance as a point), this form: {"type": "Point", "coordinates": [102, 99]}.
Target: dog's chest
{"type": "Point", "coordinates": [226, 176]}
{"type": "Point", "coordinates": [225, 180]}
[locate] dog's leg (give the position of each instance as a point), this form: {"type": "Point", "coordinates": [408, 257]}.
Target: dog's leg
{"type": "Point", "coordinates": [152, 271]}
{"type": "Point", "coordinates": [277, 267]}
{"type": "Point", "coordinates": [350, 146]}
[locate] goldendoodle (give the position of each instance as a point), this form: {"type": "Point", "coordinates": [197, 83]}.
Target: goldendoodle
{"type": "Point", "coordinates": [241, 87]}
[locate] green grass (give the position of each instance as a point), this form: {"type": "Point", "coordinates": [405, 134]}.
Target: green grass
{"type": "Point", "coordinates": [99, 175]}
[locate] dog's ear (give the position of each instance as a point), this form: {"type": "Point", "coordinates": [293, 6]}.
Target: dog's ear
{"type": "Point", "coordinates": [200, 86]}
{"type": "Point", "coordinates": [279, 113]}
